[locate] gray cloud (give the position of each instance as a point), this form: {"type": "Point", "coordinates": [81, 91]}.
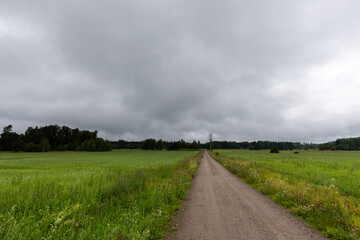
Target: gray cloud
{"type": "Point", "coordinates": [280, 70]}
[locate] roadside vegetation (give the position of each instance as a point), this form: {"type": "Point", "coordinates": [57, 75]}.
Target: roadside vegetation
{"type": "Point", "coordinates": [323, 187]}
{"type": "Point", "coordinates": [122, 194]}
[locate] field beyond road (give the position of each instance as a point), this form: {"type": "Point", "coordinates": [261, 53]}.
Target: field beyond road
{"type": "Point", "coordinates": [122, 194]}
{"type": "Point", "coordinates": [340, 168]}
{"type": "Point", "coordinates": [322, 187]}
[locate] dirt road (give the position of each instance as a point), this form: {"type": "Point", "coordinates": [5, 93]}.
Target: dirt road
{"type": "Point", "coordinates": [221, 206]}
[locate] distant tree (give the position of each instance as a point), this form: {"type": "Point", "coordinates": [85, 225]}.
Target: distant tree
{"type": "Point", "coordinates": [19, 145]}
{"type": "Point", "coordinates": [8, 139]}
{"type": "Point", "coordinates": [108, 146]}
{"type": "Point", "coordinates": [253, 146]}
{"type": "Point", "coordinates": [32, 147]}
{"type": "Point", "coordinates": [149, 144]}
{"type": "Point", "coordinates": [177, 145]}
{"type": "Point", "coordinates": [97, 145]}
{"type": "Point", "coordinates": [77, 141]}
{"type": "Point", "coordinates": [322, 147]}
{"type": "Point", "coordinates": [211, 141]}
{"type": "Point", "coordinates": [160, 144]}
{"type": "Point", "coordinates": [7, 129]}
{"type": "Point", "coordinates": [274, 150]}
{"type": "Point", "coordinates": [183, 144]}
{"type": "Point", "coordinates": [194, 145]}
{"type": "Point", "coordinates": [45, 145]}
{"type": "Point", "coordinates": [171, 146]}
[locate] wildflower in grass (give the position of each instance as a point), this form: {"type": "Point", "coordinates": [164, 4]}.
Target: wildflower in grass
{"type": "Point", "coordinates": [121, 236]}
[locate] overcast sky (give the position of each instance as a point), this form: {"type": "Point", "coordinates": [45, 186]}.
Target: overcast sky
{"type": "Point", "coordinates": [243, 70]}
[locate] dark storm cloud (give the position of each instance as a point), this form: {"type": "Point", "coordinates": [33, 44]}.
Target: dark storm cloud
{"type": "Point", "coordinates": [244, 70]}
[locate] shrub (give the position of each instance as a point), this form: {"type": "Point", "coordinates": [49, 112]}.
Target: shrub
{"type": "Point", "coordinates": [274, 150]}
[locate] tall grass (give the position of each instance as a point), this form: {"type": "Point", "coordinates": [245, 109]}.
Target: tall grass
{"type": "Point", "coordinates": [114, 195]}
{"type": "Point", "coordinates": [307, 184]}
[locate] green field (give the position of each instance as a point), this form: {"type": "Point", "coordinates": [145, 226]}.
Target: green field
{"type": "Point", "coordinates": [318, 167]}
{"type": "Point", "coordinates": [322, 187]}
{"type": "Point", "coordinates": [122, 194]}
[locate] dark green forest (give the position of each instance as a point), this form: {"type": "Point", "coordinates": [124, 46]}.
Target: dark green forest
{"type": "Point", "coordinates": [259, 145]}
{"type": "Point", "coordinates": [52, 138]}
{"type": "Point", "coordinates": [152, 144]}
{"type": "Point", "coordinates": [347, 144]}
{"type": "Point", "coordinates": [63, 138]}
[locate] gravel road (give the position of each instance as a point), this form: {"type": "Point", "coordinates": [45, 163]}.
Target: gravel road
{"type": "Point", "coordinates": [221, 206]}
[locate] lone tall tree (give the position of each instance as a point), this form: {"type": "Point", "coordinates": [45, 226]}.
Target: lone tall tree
{"type": "Point", "coordinates": [7, 129]}
{"type": "Point", "coordinates": [211, 140]}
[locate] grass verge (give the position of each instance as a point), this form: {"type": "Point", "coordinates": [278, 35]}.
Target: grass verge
{"type": "Point", "coordinates": [335, 215]}
{"type": "Point", "coordinates": [131, 204]}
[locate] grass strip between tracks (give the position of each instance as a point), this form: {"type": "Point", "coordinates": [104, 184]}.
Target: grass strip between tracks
{"type": "Point", "coordinates": [324, 208]}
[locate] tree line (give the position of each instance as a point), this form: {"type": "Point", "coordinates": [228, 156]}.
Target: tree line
{"type": "Point", "coordinates": [347, 144]}
{"type": "Point", "coordinates": [63, 138]}
{"type": "Point", "coordinates": [52, 138]}
{"type": "Point", "coordinates": [260, 145]}
{"type": "Point", "coordinates": [152, 144]}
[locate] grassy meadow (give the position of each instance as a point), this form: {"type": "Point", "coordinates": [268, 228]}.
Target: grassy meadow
{"type": "Point", "coordinates": [322, 187]}
{"type": "Point", "coordinates": [122, 194]}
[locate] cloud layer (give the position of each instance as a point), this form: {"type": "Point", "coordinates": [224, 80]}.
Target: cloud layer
{"type": "Point", "coordinates": [244, 70]}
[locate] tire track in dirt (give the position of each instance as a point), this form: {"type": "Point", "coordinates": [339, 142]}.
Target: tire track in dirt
{"type": "Point", "coordinates": [221, 206]}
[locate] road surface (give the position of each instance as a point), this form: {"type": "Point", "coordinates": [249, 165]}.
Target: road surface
{"type": "Point", "coordinates": [221, 206]}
